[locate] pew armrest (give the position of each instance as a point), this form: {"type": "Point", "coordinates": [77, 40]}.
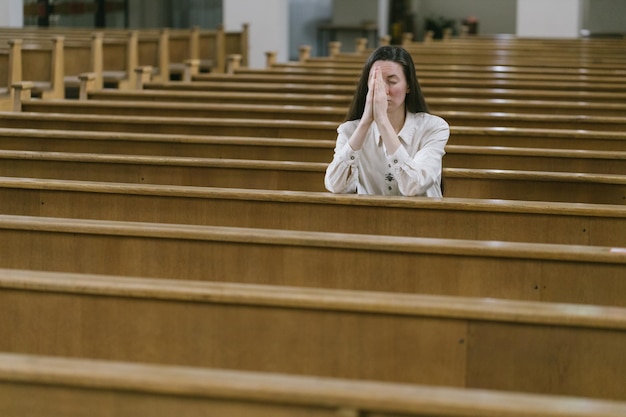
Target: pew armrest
{"type": "Point", "coordinates": [233, 62]}
{"type": "Point", "coordinates": [192, 67]}
{"type": "Point", "coordinates": [87, 83]}
{"type": "Point", "coordinates": [21, 91]}
{"type": "Point", "coordinates": [143, 75]}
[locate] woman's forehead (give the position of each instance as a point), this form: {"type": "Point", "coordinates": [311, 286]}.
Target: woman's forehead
{"type": "Point", "coordinates": [388, 67]}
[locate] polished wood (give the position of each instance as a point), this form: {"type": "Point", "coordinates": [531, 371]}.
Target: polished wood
{"type": "Point", "coordinates": [34, 383]}
{"type": "Point", "coordinates": [303, 150]}
{"type": "Point", "coordinates": [447, 341]}
{"type": "Point", "coordinates": [496, 269]}
{"type": "Point", "coordinates": [439, 91]}
{"type": "Point", "coordinates": [303, 176]}
{"type": "Point", "coordinates": [525, 221]}
{"type": "Point", "coordinates": [140, 124]}
{"type": "Point", "coordinates": [321, 113]}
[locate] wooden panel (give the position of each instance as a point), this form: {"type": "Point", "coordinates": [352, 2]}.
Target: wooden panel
{"type": "Point", "coordinates": [450, 218]}
{"type": "Point", "coordinates": [566, 372]}
{"type": "Point", "coordinates": [255, 338]}
{"type": "Point", "coordinates": [355, 335]}
{"type": "Point", "coordinates": [413, 265]}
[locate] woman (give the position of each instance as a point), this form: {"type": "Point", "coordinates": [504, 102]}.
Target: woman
{"type": "Point", "coordinates": [389, 143]}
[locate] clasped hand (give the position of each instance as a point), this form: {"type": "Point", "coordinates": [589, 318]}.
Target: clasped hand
{"type": "Point", "coordinates": [376, 99]}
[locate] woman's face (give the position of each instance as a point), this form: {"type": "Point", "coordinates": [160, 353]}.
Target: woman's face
{"type": "Point", "coordinates": [395, 84]}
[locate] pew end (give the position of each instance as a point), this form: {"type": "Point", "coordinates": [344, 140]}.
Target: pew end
{"type": "Point", "coordinates": [21, 91]}
{"type": "Point", "coordinates": [360, 45]}
{"type": "Point", "coordinates": [143, 74]}
{"type": "Point", "coordinates": [192, 67]}
{"type": "Point", "coordinates": [88, 83]}
{"type": "Point", "coordinates": [270, 58]}
{"type": "Point", "coordinates": [304, 53]}
{"type": "Point", "coordinates": [334, 48]}
{"type": "Point", "coordinates": [233, 63]}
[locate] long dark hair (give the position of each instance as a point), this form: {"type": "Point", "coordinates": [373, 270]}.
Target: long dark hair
{"type": "Point", "coordinates": [414, 102]}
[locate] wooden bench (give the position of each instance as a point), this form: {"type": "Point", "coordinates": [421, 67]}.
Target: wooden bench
{"type": "Point", "coordinates": [435, 73]}
{"type": "Point", "coordinates": [460, 135]}
{"type": "Point", "coordinates": [612, 84]}
{"type": "Point", "coordinates": [606, 63]}
{"type": "Point", "coordinates": [304, 150]}
{"type": "Point", "coordinates": [216, 126]}
{"type": "Point", "coordinates": [544, 48]}
{"type": "Point", "coordinates": [343, 101]}
{"type": "Point", "coordinates": [335, 114]}
{"type": "Point", "coordinates": [536, 138]}
{"type": "Point", "coordinates": [497, 269]}
{"type": "Point", "coordinates": [466, 92]}
{"type": "Point", "coordinates": [330, 65]}
{"type": "Point", "coordinates": [34, 383]}
{"type": "Point", "coordinates": [303, 176]}
{"type": "Point", "coordinates": [40, 62]}
{"type": "Point", "coordinates": [206, 50]}
{"type": "Point", "coordinates": [543, 348]}
{"type": "Point", "coordinates": [523, 221]}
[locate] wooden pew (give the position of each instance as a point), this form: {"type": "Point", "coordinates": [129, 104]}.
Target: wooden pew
{"type": "Point", "coordinates": [304, 112]}
{"type": "Point", "coordinates": [465, 92]}
{"type": "Point", "coordinates": [511, 67]}
{"type": "Point", "coordinates": [303, 176]}
{"type": "Point", "coordinates": [434, 73]}
{"type": "Point", "coordinates": [497, 269]}
{"type": "Point", "coordinates": [522, 221]}
{"type": "Point", "coordinates": [40, 62]}
{"type": "Point", "coordinates": [612, 84]}
{"type": "Point", "coordinates": [460, 135]}
{"type": "Point", "coordinates": [129, 124]}
{"type": "Point", "coordinates": [190, 96]}
{"type": "Point", "coordinates": [195, 50]}
{"type": "Point", "coordinates": [153, 50]}
{"type": "Point", "coordinates": [544, 48]}
{"type": "Point", "coordinates": [34, 383]}
{"type": "Point", "coordinates": [120, 58]}
{"type": "Point", "coordinates": [303, 150]}
{"type": "Point", "coordinates": [444, 341]}
{"type": "Point", "coordinates": [343, 101]}
{"type": "Point", "coordinates": [605, 63]}
{"type": "Point", "coordinates": [536, 138]}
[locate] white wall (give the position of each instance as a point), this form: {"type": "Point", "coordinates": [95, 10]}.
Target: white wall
{"type": "Point", "coordinates": [11, 13]}
{"type": "Point", "coordinates": [549, 18]}
{"type": "Point", "coordinates": [269, 26]}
